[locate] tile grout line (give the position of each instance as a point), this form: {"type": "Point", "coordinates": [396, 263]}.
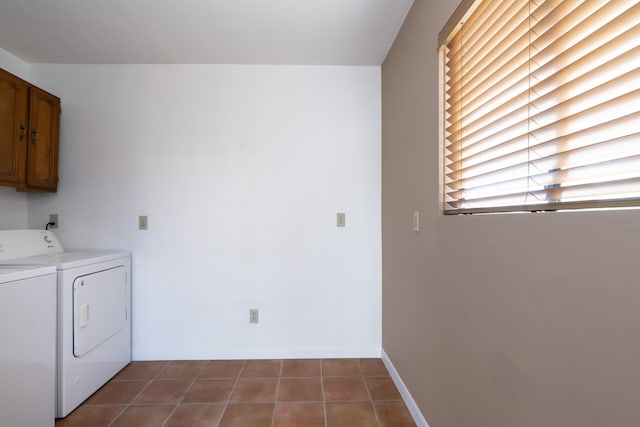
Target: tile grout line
{"type": "Point", "coordinates": [275, 403]}
{"type": "Point", "coordinates": [136, 396]}
{"type": "Point", "coordinates": [366, 385]}
{"type": "Point", "coordinates": [193, 381]}
{"type": "Point", "coordinates": [324, 399]}
{"type": "Point", "coordinates": [235, 383]}
{"type": "Point", "coordinates": [118, 416]}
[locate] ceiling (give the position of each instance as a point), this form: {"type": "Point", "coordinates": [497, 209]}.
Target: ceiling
{"type": "Point", "coordinates": [331, 32]}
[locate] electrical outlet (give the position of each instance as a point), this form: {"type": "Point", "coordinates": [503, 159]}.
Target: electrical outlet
{"type": "Point", "coordinates": [143, 222]}
{"type": "Point", "coordinates": [341, 220]}
{"type": "Point", "coordinates": [53, 221]}
{"type": "Point", "coordinates": [253, 315]}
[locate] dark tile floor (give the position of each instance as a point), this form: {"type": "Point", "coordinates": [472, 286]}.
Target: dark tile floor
{"type": "Point", "coordinates": [251, 393]}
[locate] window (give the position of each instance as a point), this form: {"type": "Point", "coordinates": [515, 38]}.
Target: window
{"type": "Point", "coordinates": [541, 105]}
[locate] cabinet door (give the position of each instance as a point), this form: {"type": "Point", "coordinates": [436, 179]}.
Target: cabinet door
{"type": "Point", "coordinates": [13, 129]}
{"type": "Point", "coordinates": [42, 154]}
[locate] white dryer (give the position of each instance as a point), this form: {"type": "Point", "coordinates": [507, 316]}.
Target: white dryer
{"type": "Point", "coordinates": [93, 310]}
{"type": "Point", "coordinates": [27, 346]}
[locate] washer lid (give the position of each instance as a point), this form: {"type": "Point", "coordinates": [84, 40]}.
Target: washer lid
{"type": "Point", "coordinates": [73, 259]}
{"type": "Point", "coordinates": [14, 273]}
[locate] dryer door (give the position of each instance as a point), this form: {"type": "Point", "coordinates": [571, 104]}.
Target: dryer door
{"type": "Point", "coordinates": [99, 308]}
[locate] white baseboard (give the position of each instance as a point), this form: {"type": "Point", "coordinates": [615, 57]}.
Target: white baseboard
{"type": "Point", "coordinates": [251, 353]}
{"type": "Point", "coordinates": [404, 392]}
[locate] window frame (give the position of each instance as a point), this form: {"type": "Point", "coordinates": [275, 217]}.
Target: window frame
{"type": "Point", "coordinates": [455, 22]}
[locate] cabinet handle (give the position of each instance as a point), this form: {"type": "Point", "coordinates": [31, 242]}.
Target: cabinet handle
{"type": "Point", "coordinates": [34, 132]}
{"type": "Point", "coordinates": [23, 131]}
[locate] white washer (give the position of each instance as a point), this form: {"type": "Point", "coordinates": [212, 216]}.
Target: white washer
{"type": "Point", "coordinates": [93, 310]}
{"type": "Point", "coordinates": [28, 346]}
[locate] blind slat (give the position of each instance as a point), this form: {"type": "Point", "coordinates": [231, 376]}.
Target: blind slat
{"type": "Point", "coordinates": [616, 189]}
{"type": "Point", "coordinates": [602, 45]}
{"type": "Point", "coordinates": [623, 127]}
{"type": "Point", "coordinates": [567, 81]}
{"type": "Point", "coordinates": [539, 36]}
{"type": "Point", "coordinates": [597, 172]}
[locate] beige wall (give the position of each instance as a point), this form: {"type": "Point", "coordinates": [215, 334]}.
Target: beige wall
{"type": "Point", "coordinates": [498, 320]}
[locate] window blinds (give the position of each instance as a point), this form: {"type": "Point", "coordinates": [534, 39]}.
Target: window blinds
{"type": "Point", "coordinates": [541, 105]}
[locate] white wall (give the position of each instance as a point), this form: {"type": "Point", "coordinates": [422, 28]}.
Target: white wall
{"type": "Point", "coordinates": [13, 209]}
{"type": "Point", "coordinates": [241, 170]}
{"type": "Point", "coordinates": [13, 205]}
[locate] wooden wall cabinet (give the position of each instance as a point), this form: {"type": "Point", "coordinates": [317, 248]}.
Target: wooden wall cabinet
{"type": "Point", "coordinates": [29, 132]}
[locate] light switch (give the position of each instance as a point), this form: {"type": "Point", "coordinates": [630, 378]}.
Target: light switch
{"type": "Point", "coordinates": [143, 222]}
{"type": "Point", "coordinates": [416, 221]}
{"type": "Point", "coordinates": [254, 315]}
{"type": "Point", "coordinates": [341, 219]}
